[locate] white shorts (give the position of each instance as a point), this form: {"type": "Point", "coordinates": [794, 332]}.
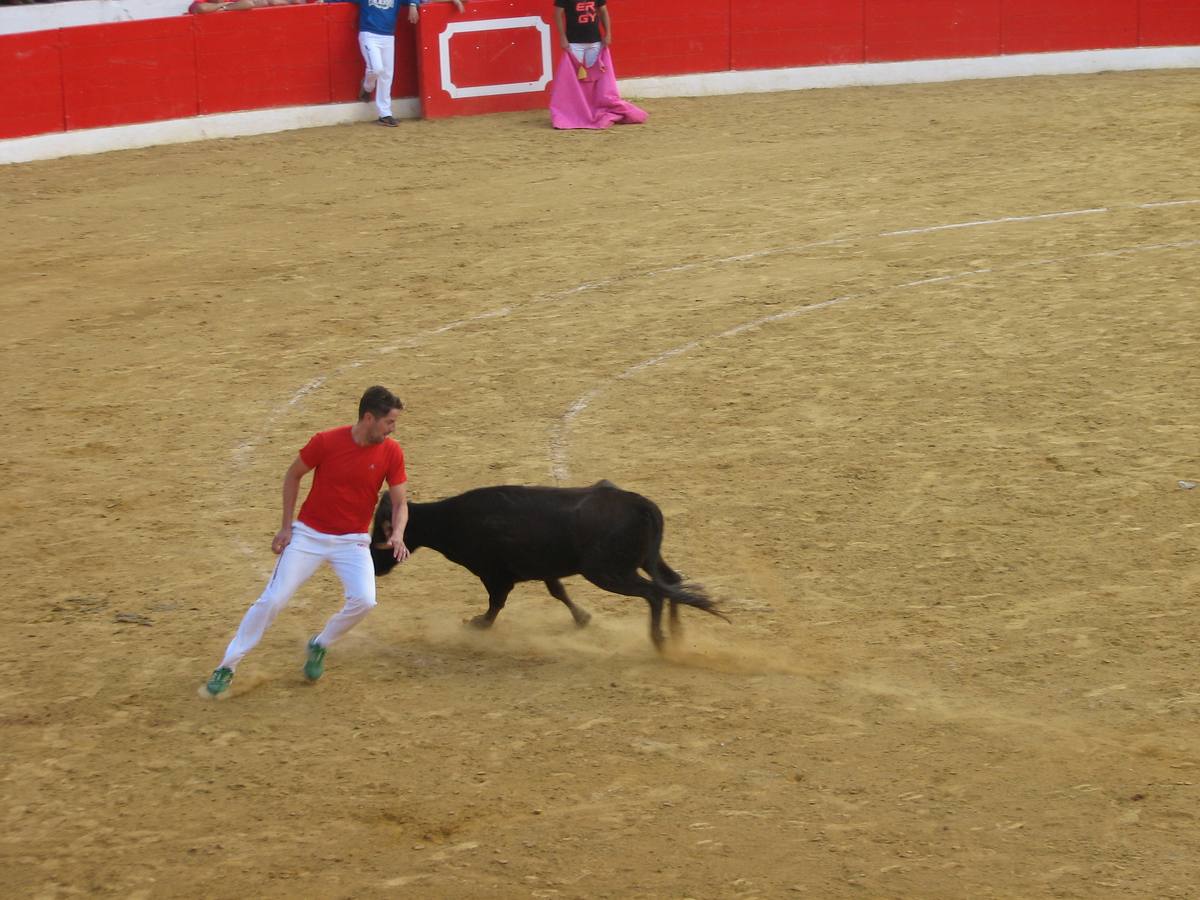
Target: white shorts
{"type": "Point", "coordinates": [586, 54]}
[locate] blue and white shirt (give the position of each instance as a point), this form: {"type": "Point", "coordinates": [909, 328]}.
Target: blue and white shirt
{"type": "Point", "coordinates": [378, 16]}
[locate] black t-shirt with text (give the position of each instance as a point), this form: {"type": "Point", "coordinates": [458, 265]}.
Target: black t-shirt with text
{"type": "Point", "coordinates": [583, 19]}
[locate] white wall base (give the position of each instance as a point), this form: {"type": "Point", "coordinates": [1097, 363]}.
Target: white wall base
{"type": "Point", "coordinates": [915, 72]}
{"type": "Point", "coordinates": [200, 128]}
{"type": "Point", "coordinates": [267, 121]}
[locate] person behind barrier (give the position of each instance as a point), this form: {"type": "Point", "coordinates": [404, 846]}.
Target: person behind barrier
{"type": "Point", "coordinates": [210, 6]}
{"type": "Point", "coordinates": [579, 24]}
{"type": "Point", "coordinates": [377, 41]}
{"type": "Point", "coordinates": [584, 93]}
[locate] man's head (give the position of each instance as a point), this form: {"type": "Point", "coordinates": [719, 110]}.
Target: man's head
{"type": "Point", "coordinates": [377, 411]}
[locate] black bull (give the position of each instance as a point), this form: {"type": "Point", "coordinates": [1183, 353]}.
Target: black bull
{"type": "Point", "coordinates": [508, 534]}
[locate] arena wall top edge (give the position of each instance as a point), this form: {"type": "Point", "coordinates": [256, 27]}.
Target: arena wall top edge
{"type": "Point", "coordinates": [49, 16]}
{"type": "Point", "coordinates": [139, 82]}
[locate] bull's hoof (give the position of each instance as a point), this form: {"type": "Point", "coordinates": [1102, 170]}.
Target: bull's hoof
{"type": "Point", "coordinates": [581, 620]}
{"type": "Point", "coordinates": [480, 622]}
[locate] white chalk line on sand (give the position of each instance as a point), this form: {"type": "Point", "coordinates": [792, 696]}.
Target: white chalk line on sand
{"type": "Point", "coordinates": [242, 452]}
{"type": "Point", "coordinates": [418, 339]}
{"type": "Point", "coordinates": [840, 242]}
{"type": "Point", "coordinates": [1004, 221]}
{"type": "Point", "coordinates": [560, 433]}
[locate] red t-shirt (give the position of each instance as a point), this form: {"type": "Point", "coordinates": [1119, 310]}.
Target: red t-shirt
{"type": "Point", "coordinates": [347, 480]}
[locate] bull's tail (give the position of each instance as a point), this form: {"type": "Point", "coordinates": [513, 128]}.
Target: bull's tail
{"type": "Point", "coordinates": [665, 578]}
{"type": "Point", "coordinates": [666, 573]}
{"type": "Point", "coordinates": [690, 594]}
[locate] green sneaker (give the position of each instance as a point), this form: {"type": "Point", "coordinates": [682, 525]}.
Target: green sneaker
{"type": "Point", "coordinates": [219, 682]}
{"type": "Point", "coordinates": [314, 666]}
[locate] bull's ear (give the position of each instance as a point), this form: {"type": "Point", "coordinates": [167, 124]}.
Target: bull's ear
{"type": "Point", "coordinates": [387, 529]}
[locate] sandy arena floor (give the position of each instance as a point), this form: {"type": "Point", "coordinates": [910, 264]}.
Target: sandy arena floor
{"type": "Point", "coordinates": [911, 371]}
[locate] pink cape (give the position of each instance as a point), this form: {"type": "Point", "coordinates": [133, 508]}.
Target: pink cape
{"type": "Point", "coordinates": [593, 102]}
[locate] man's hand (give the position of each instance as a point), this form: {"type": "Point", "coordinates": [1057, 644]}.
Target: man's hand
{"type": "Point", "coordinates": [414, 13]}
{"type": "Point", "coordinates": [396, 542]}
{"type": "Point", "coordinates": [281, 540]}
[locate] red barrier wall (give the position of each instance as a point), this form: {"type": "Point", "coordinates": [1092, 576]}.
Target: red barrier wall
{"type": "Point", "coordinates": [767, 34]}
{"type": "Point", "coordinates": [253, 61]}
{"type": "Point", "coordinates": [1168, 23]}
{"type": "Point", "coordinates": [1036, 26]}
{"type": "Point", "coordinates": [156, 69]}
{"type": "Point", "coordinates": [668, 37]}
{"type": "Point", "coordinates": [935, 29]}
{"type": "Point", "coordinates": [31, 86]}
{"type": "Point", "coordinates": [135, 72]}
{"type": "Point", "coordinates": [469, 66]}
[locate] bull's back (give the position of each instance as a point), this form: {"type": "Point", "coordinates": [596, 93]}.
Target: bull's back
{"type": "Point", "coordinates": [527, 532]}
{"type": "Point", "coordinates": [536, 533]}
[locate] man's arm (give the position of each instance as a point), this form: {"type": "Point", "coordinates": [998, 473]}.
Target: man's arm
{"type": "Point", "coordinates": [291, 490]}
{"type": "Point", "coordinates": [399, 495]}
{"type": "Point", "coordinates": [607, 23]}
{"type": "Point", "coordinates": [560, 22]}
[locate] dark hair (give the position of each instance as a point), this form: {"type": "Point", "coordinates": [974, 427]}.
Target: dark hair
{"type": "Point", "coordinates": [378, 401]}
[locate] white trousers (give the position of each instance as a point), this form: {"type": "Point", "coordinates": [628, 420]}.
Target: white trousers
{"type": "Point", "coordinates": [379, 53]}
{"type": "Point", "coordinates": [350, 558]}
{"type": "Point", "coordinates": [586, 54]}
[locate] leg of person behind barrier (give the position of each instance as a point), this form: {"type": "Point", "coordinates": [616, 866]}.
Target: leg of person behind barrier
{"type": "Point", "coordinates": [379, 52]}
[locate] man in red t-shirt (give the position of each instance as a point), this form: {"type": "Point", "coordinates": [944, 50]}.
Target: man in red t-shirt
{"type": "Point", "coordinates": [350, 465]}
